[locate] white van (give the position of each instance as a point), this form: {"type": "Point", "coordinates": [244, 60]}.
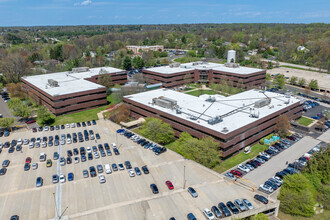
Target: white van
{"type": "Point", "coordinates": [107, 168]}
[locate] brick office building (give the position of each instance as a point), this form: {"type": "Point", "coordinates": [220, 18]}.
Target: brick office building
{"type": "Point", "coordinates": [67, 92]}
{"type": "Point", "coordinates": [203, 72]}
{"type": "Point", "coordinates": [236, 121]}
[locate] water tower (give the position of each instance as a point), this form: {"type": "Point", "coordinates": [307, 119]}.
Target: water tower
{"type": "Point", "coordinates": [231, 56]}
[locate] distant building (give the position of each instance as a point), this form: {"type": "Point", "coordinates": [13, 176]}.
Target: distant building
{"type": "Point", "coordinates": [203, 72]}
{"type": "Point", "coordinates": [139, 49]}
{"type": "Point", "coordinates": [72, 91]}
{"type": "Point", "coordinates": [302, 48]}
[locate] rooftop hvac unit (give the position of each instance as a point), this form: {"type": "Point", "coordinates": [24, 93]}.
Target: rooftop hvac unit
{"type": "Point", "coordinates": [215, 120]}
{"type": "Point", "coordinates": [164, 102]}
{"type": "Point", "coordinates": [178, 111]}
{"type": "Point", "coordinates": [52, 83]}
{"type": "Point", "coordinates": [192, 117]}
{"type": "Point", "coordinates": [210, 99]}
{"type": "Point", "coordinates": [231, 56]}
{"type": "Point", "coordinates": [225, 130]}
{"type": "Point", "coordinates": [80, 69]}
{"type": "Point", "coordinates": [261, 103]}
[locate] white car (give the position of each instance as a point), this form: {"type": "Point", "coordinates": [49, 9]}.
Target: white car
{"type": "Point", "coordinates": [278, 179]}
{"type": "Point", "coordinates": [68, 141]}
{"type": "Point", "coordinates": [26, 141]}
{"type": "Point", "coordinates": [92, 137]}
{"type": "Point", "coordinates": [243, 168]}
{"type": "Point", "coordinates": [131, 173]}
{"type": "Point", "coordinates": [89, 150]}
{"type": "Point", "coordinates": [46, 128]}
{"type": "Point", "coordinates": [208, 214]}
{"type": "Point", "coordinates": [266, 189]}
{"type": "Point", "coordinates": [107, 168]}
{"type": "Point", "coordinates": [62, 178]}
{"type": "Point", "coordinates": [265, 155]}
{"type": "Point", "coordinates": [62, 142]}
{"type": "Point", "coordinates": [67, 125]}
{"type": "Point", "coordinates": [31, 145]}
{"type": "Point", "coordinates": [38, 140]}
{"type": "Point", "coordinates": [34, 166]}
{"type": "Point", "coordinates": [44, 144]}
{"type": "Point", "coordinates": [102, 178]}
{"type": "Point", "coordinates": [19, 141]}
{"type": "Point", "coordinates": [42, 157]}
{"type": "Point", "coordinates": [113, 145]}
{"type": "Point", "coordinates": [73, 125]}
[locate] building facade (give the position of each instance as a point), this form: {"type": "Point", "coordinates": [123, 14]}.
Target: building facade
{"type": "Point", "coordinates": [139, 49]}
{"type": "Point", "coordinates": [235, 121]}
{"type": "Point", "coordinates": [206, 73]}
{"type": "Point", "coordinates": [68, 92]}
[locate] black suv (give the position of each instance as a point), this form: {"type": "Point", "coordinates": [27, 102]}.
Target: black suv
{"type": "Point", "coordinates": [92, 171]}
{"type": "Point", "coordinates": [261, 199]}
{"type": "Point", "coordinates": [232, 207]}
{"type": "Point", "coordinates": [154, 188]}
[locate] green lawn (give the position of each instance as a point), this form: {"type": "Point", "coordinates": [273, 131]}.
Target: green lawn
{"type": "Point", "coordinates": [305, 121]}
{"type": "Point", "coordinates": [201, 92]}
{"type": "Point", "coordinates": [87, 115]}
{"type": "Point", "coordinates": [241, 157]}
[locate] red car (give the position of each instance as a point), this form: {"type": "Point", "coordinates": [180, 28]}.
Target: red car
{"type": "Point", "coordinates": [236, 173]}
{"type": "Point", "coordinates": [307, 158]}
{"type": "Point", "coordinates": [28, 160]}
{"type": "Point", "coordinates": [169, 184]}
{"type": "Point", "coordinates": [30, 121]}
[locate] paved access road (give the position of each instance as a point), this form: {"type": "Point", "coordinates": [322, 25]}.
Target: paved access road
{"type": "Point", "coordinates": [278, 162]}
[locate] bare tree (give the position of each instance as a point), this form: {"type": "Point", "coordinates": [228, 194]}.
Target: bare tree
{"type": "Point", "coordinates": [283, 125]}
{"type": "Point", "coordinates": [14, 67]}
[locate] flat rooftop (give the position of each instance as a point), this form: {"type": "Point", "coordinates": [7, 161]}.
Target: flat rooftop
{"type": "Point", "coordinates": [203, 66]}
{"type": "Point", "coordinates": [238, 108]}
{"type": "Point", "coordinates": [69, 82]}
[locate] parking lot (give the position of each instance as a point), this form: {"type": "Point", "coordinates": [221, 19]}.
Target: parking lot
{"type": "Point", "coordinates": [278, 162]}
{"type": "Point", "coordinates": [122, 196]}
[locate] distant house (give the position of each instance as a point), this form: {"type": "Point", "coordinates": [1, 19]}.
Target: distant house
{"type": "Point", "coordinates": [139, 49]}
{"type": "Point", "coordinates": [302, 48]}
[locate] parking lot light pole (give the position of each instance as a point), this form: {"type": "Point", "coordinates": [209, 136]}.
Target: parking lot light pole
{"type": "Point", "coordinates": [55, 206]}
{"type": "Point", "coordinates": [184, 176]}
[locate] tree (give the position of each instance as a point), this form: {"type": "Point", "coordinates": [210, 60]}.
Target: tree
{"type": "Point", "coordinates": [279, 80]}
{"type": "Point", "coordinates": [138, 62]}
{"type": "Point", "coordinates": [44, 116]}
{"type": "Point", "coordinates": [203, 151]}
{"type": "Point", "coordinates": [6, 122]}
{"type": "Point", "coordinates": [313, 84]}
{"type": "Point", "coordinates": [14, 103]}
{"type": "Point", "coordinates": [268, 77]}
{"type": "Point", "coordinates": [296, 196]}
{"type": "Point", "coordinates": [14, 67]}
{"type": "Point", "coordinates": [293, 80]}
{"type": "Point", "coordinates": [127, 63]}
{"type": "Point", "coordinates": [157, 131]}
{"type": "Point", "coordinates": [302, 82]}
{"type": "Point", "coordinates": [22, 110]}
{"type": "Point", "coordinates": [282, 126]}
{"type": "Point", "coordinates": [191, 53]}
{"type": "Point", "coordinates": [104, 80]}
{"type": "Point", "coordinates": [260, 216]}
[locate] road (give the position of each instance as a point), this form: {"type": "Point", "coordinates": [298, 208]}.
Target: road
{"type": "Point", "coordinates": [4, 110]}
{"type": "Point", "coordinates": [278, 162]}
{"type": "Point", "coordinates": [296, 65]}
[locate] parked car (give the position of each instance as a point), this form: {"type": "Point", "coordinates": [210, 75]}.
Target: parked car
{"type": "Point", "coordinates": [191, 216]}
{"type": "Point", "coordinates": [240, 205]}
{"type": "Point", "coordinates": [266, 188]}
{"type": "Point", "coordinates": [102, 178]}
{"type": "Point", "coordinates": [232, 207]}
{"type": "Point", "coordinates": [39, 182]}
{"type": "Point", "coordinates": [169, 185]}
{"type": "Point", "coordinates": [154, 188]}
{"type": "Point", "coordinates": [248, 204]}
{"type": "Point", "coordinates": [243, 168]}
{"type": "Point", "coordinates": [261, 198]}
{"type": "Point", "coordinates": [236, 173]}
{"type": "Point", "coordinates": [192, 192]}
{"type": "Point", "coordinates": [216, 212]}
{"type": "Point", "coordinates": [208, 214]}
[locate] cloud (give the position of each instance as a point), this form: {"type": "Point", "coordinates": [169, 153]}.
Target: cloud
{"type": "Point", "coordinates": [83, 3]}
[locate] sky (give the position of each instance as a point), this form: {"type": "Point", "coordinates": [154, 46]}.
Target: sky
{"type": "Point", "coordinates": [106, 12]}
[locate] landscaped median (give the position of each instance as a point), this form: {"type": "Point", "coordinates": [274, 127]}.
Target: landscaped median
{"type": "Point", "coordinates": [305, 121]}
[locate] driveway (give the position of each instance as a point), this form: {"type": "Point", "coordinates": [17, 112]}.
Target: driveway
{"type": "Point", "coordinates": [278, 162]}
{"type": "Point", "coordinates": [4, 110]}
